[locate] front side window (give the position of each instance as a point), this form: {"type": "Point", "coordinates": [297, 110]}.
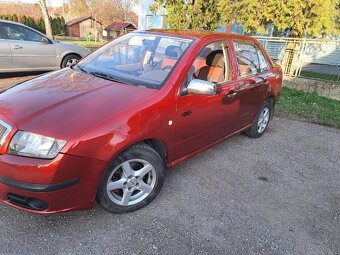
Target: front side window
{"type": "Point", "coordinates": [210, 64]}
{"type": "Point", "coordinates": [247, 59]}
{"type": "Point", "coordinates": [15, 32]}
{"type": "Point", "coordinates": [137, 59]}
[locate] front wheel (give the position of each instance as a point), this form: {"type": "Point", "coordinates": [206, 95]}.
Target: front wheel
{"type": "Point", "coordinates": [133, 180]}
{"type": "Point", "coordinates": [260, 122]}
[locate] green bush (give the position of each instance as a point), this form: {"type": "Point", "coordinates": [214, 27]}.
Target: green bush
{"type": "Point", "coordinates": [57, 24]}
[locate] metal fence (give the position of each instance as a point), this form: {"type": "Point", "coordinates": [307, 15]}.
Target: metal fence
{"type": "Point", "coordinates": [308, 58]}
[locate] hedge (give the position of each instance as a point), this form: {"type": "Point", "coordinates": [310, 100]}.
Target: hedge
{"type": "Point", "coordinates": [57, 24]}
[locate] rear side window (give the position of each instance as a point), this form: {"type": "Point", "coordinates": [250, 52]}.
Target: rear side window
{"type": "Point", "coordinates": [247, 59]}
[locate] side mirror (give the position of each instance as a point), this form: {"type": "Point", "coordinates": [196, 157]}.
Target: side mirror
{"type": "Point", "coordinates": [201, 87]}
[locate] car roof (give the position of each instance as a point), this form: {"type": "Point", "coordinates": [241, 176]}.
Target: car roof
{"type": "Point", "coordinates": [195, 34]}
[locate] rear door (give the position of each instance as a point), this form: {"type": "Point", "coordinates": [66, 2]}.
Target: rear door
{"type": "Point", "coordinates": [5, 53]}
{"type": "Point", "coordinates": [251, 81]}
{"type": "Point", "coordinates": [29, 49]}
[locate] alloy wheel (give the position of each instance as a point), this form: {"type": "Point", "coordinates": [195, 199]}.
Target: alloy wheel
{"type": "Point", "coordinates": [263, 120]}
{"type": "Point", "coordinates": [131, 182]}
{"type": "Point", "coordinates": [72, 61]}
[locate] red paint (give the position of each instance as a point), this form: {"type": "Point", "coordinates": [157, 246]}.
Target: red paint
{"type": "Point", "coordinates": [100, 119]}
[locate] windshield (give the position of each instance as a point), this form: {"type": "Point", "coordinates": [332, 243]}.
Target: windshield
{"type": "Point", "coordinates": [139, 59]}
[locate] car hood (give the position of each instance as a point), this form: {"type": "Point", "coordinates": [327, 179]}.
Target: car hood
{"type": "Point", "coordinates": [63, 103]}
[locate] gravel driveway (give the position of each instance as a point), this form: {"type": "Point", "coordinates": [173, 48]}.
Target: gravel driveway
{"type": "Point", "coordinates": [279, 194]}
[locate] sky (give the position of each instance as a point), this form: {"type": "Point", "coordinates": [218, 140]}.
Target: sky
{"type": "Point", "coordinates": [53, 3]}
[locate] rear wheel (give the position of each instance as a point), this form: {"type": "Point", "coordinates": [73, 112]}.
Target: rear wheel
{"type": "Point", "coordinates": [70, 60]}
{"type": "Point", "coordinates": [261, 121]}
{"type": "Point", "coordinates": [133, 180]}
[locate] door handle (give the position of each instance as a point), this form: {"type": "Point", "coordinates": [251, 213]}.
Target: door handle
{"type": "Point", "coordinates": [232, 94]}
{"type": "Point", "coordinates": [17, 47]}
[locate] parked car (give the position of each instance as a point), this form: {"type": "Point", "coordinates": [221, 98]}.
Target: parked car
{"type": "Point", "coordinates": [25, 49]}
{"type": "Point", "coordinates": [109, 126]}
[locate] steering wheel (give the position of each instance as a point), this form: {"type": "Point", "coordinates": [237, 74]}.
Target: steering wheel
{"type": "Point", "coordinates": [167, 68]}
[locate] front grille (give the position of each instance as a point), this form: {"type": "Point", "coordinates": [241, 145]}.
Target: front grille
{"type": "Point", "coordinates": [5, 129]}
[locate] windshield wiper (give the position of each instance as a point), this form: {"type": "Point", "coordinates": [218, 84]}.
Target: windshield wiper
{"type": "Point", "coordinates": [106, 77]}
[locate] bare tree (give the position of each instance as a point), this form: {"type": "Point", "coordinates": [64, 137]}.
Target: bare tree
{"type": "Point", "coordinates": [105, 11]}
{"type": "Point", "coordinates": [44, 11]}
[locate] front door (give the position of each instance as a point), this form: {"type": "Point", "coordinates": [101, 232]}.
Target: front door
{"type": "Point", "coordinates": [29, 49]}
{"type": "Point", "coordinates": [203, 119]}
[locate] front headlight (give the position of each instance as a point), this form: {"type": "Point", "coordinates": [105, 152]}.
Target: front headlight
{"type": "Point", "coordinates": [37, 146]}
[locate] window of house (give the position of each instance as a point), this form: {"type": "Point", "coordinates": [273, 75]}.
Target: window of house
{"type": "Point", "coordinates": [247, 59]}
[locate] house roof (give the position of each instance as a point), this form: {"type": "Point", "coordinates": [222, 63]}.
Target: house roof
{"type": "Point", "coordinates": [117, 26]}
{"type": "Point", "coordinates": [79, 20]}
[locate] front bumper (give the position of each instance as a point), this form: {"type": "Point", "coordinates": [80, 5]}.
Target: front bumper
{"type": "Point", "coordinates": [65, 183]}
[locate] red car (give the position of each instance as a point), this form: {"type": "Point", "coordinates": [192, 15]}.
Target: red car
{"type": "Point", "coordinates": [109, 126]}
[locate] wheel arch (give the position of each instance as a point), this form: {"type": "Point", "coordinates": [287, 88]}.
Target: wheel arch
{"type": "Point", "coordinates": [159, 147]}
{"type": "Point", "coordinates": [154, 143]}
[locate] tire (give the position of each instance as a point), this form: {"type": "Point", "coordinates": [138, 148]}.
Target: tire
{"type": "Point", "coordinates": [261, 121]}
{"type": "Point", "coordinates": [70, 59]}
{"type": "Point", "coordinates": [132, 181]}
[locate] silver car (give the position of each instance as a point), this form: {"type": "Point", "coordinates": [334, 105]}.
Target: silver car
{"type": "Point", "coordinates": [25, 49]}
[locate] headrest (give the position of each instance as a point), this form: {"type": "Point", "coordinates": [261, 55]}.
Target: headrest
{"type": "Point", "coordinates": [215, 58]}
{"type": "Point", "coordinates": [204, 53]}
{"type": "Point", "coordinates": [173, 51]}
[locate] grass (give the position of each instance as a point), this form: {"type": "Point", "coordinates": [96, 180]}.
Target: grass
{"type": "Point", "coordinates": [309, 107]}
{"type": "Point", "coordinates": [92, 45]}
